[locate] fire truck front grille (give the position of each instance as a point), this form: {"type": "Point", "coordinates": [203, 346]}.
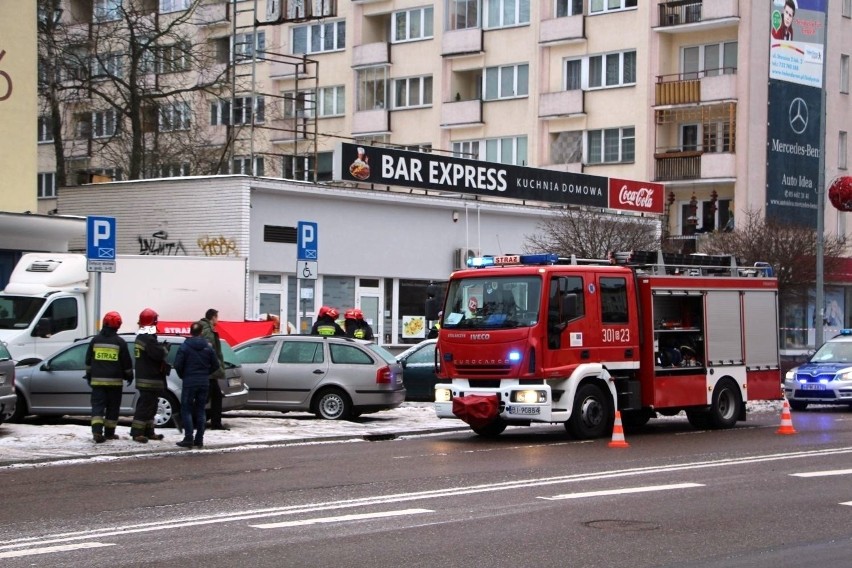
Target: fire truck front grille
{"type": "Point", "coordinates": [484, 383]}
{"type": "Point", "coordinates": [484, 370]}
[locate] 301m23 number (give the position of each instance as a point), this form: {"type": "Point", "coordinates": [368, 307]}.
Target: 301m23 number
{"type": "Point", "coordinates": [611, 335]}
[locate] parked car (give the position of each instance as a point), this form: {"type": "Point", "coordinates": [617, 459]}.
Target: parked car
{"type": "Point", "coordinates": [334, 377]}
{"type": "Point", "coordinates": [826, 378]}
{"type": "Point", "coordinates": [418, 363]}
{"type": "Point", "coordinates": [56, 385]}
{"type": "Point", "coordinates": [7, 384]}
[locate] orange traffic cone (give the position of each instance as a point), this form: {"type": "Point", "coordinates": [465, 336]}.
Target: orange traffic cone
{"type": "Point", "coordinates": [786, 420]}
{"type": "Point", "coordinates": [618, 440]}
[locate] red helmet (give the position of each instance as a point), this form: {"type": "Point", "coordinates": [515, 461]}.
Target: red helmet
{"type": "Point", "coordinates": [358, 314]}
{"type": "Point", "coordinates": [333, 313]}
{"type": "Point", "coordinates": [350, 314]}
{"type": "Point", "coordinates": [112, 319]}
{"type": "Point", "coordinates": [148, 317]}
{"type": "Point", "coordinates": [324, 310]}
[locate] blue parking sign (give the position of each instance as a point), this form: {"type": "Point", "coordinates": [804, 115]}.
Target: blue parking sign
{"type": "Point", "coordinates": [307, 247]}
{"type": "Point", "coordinates": [100, 238]}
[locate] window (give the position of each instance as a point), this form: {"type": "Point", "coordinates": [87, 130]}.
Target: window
{"type": "Point", "coordinates": [410, 25]}
{"type": "Point", "coordinates": [613, 300]}
{"type": "Point", "coordinates": [299, 104]}
{"type": "Point", "coordinates": [371, 83]}
{"type": "Point", "coordinates": [709, 60]}
{"type": "Point", "coordinates": [716, 137]}
{"type": "Point", "coordinates": [332, 100]}
{"type": "Point", "coordinates": [841, 150]}
{"type": "Point", "coordinates": [173, 170]}
{"type": "Point", "coordinates": [689, 137]}
{"type": "Point", "coordinates": [174, 117]}
{"type": "Point", "coordinates": [844, 73]}
{"type": "Point", "coordinates": [601, 6]}
{"type": "Point", "coordinates": [245, 45]}
{"type": "Point", "coordinates": [167, 6]}
{"type": "Point", "coordinates": [846, 8]}
{"type": "Point", "coordinates": [506, 82]}
{"type": "Point", "coordinates": [468, 150]}
{"type": "Point", "coordinates": [573, 75]}
{"type": "Point", "coordinates": [568, 8]}
{"type": "Point", "coordinates": [46, 184]}
{"type": "Point", "coordinates": [107, 10]}
{"type": "Point", "coordinates": [506, 13]}
{"type": "Point", "coordinates": [256, 353]}
{"type": "Point", "coordinates": [462, 14]}
{"type": "Point", "coordinates": [304, 352]}
{"type": "Point", "coordinates": [510, 150]}
{"type": "Point", "coordinates": [611, 145]}
{"type": "Point", "coordinates": [107, 65]}
{"type": "Point", "coordinates": [412, 92]}
{"type": "Point", "coordinates": [319, 38]}
{"type": "Point", "coordinates": [173, 58]}
{"type": "Point", "coordinates": [612, 69]}
{"type": "Point", "coordinates": [244, 109]}
{"type": "Point", "coordinates": [242, 165]}
{"type": "Point", "coordinates": [45, 129]}
{"type": "Point", "coordinates": [104, 124]}
{"type": "Point", "coordinates": [348, 355]}
{"type": "Point", "coordinates": [82, 125]}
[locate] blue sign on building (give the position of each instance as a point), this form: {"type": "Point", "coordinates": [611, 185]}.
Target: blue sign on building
{"type": "Point", "coordinates": [307, 241]}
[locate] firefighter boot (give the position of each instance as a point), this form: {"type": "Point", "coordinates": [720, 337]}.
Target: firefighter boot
{"type": "Point", "coordinates": [109, 434]}
{"type": "Point", "coordinates": [98, 433]}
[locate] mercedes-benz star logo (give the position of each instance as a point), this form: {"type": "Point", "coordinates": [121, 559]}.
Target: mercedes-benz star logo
{"type": "Point", "coordinates": [798, 115]}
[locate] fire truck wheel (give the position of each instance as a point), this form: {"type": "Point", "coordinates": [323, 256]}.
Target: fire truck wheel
{"type": "Point", "coordinates": [592, 416]}
{"type": "Point", "coordinates": [725, 408]}
{"type": "Point", "coordinates": [492, 430]}
{"type": "Point", "coordinates": [698, 419]}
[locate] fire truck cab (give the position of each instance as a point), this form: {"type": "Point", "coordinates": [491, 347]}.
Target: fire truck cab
{"type": "Point", "coordinates": [536, 338]}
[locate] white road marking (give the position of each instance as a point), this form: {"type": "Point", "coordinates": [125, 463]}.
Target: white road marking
{"type": "Point", "coordinates": [343, 518]}
{"type": "Point", "coordinates": [847, 503]}
{"type": "Point", "coordinates": [823, 473]}
{"type": "Point", "coordinates": [625, 491]}
{"type": "Point", "coordinates": [181, 523]}
{"type": "Point", "coordinates": [53, 549]}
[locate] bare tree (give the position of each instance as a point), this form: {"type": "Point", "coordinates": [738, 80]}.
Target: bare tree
{"type": "Point", "coordinates": [591, 233]}
{"type": "Point", "coordinates": [144, 73]}
{"type": "Point", "coordinates": [50, 89]}
{"type": "Point", "coordinates": [789, 249]}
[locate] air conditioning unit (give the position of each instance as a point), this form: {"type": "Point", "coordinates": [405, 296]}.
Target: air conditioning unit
{"type": "Point", "coordinates": [460, 257]}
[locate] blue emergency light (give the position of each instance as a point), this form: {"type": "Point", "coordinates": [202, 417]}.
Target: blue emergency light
{"type": "Point", "coordinates": [512, 260]}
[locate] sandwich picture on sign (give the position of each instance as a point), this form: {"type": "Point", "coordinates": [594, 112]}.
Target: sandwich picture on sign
{"type": "Point", "coordinates": [360, 169]}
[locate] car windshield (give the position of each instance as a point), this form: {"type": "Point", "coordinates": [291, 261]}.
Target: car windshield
{"type": "Point", "coordinates": [17, 312]}
{"type": "Point", "coordinates": [492, 302]}
{"type": "Point", "coordinates": [834, 352]}
{"type": "Point", "coordinates": [385, 355]}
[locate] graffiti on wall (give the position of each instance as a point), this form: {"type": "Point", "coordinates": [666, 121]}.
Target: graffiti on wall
{"type": "Point", "coordinates": [218, 246]}
{"type": "Point", "coordinates": [159, 245]}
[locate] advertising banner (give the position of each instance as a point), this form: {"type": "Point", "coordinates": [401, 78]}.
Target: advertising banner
{"type": "Point", "coordinates": [385, 166]}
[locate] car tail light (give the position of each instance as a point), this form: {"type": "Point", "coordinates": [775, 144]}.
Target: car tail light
{"type": "Point", "coordinates": [384, 376]}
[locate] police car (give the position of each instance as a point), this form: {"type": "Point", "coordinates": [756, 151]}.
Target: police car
{"type": "Point", "coordinates": [826, 378]}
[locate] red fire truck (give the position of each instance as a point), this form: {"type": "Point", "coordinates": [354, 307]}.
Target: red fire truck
{"type": "Point", "coordinates": [535, 338]}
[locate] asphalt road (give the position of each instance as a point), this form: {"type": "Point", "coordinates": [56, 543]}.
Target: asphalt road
{"type": "Point", "coordinates": [746, 497]}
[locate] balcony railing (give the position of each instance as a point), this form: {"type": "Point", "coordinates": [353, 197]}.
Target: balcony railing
{"type": "Point", "coordinates": [461, 113]}
{"type": "Point", "coordinates": [563, 103]}
{"type": "Point", "coordinates": [560, 30]}
{"type": "Point", "coordinates": [677, 165]}
{"type": "Point", "coordinates": [370, 121]}
{"type": "Point", "coordinates": [680, 12]}
{"type": "Point", "coordinates": [461, 42]}
{"type": "Point", "coordinates": [377, 53]}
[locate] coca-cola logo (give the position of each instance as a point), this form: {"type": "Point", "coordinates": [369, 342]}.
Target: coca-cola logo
{"type": "Point", "coordinates": [642, 197]}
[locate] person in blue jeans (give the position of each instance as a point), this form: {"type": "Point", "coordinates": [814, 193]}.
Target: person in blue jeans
{"type": "Point", "coordinates": [194, 363]}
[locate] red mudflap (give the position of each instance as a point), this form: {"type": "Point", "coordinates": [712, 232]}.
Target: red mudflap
{"type": "Point", "coordinates": [477, 410]}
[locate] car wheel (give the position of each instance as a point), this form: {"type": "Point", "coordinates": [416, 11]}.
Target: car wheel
{"type": "Point", "coordinates": [20, 409]}
{"type": "Point", "coordinates": [490, 430]}
{"type": "Point", "coordinates": [592, 416]}
{"type": "Point", "coordinates": [726, 405]}
{"type": "Point", "coordinates": [332, 404]}
{"type": "Point", "coordinates": [799, 404]}
{"type": "Point", "coordinates": [168, 411]}
{"type": "Point", "coordinates": [699, 419]}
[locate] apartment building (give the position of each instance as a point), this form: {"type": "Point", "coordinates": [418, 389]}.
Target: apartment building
{"type": "Point", "coordinates": [673, 92]}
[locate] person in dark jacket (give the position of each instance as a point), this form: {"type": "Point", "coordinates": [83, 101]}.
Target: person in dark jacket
{"type": "Point", "coordinates": [108, 363]}
{"type": "Point", "coordinates": [194, 363]}
{"type": "Point", "coordinates": [151, 371]}
{"type": "Point", "coordinates": [356, 326]}
{"type": "Point", "coordinates": [208, 332]}
{"type": "Point", "coordinates": [326, 324]}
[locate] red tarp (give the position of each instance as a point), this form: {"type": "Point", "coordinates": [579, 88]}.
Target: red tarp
{"type": "Point", "coordinates": [477, 410]}
{"type": "Point", "coordinates": [231, 331]}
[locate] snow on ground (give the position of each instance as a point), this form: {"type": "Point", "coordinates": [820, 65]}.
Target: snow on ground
{"type": "Point", "coordinates": [45, 440]}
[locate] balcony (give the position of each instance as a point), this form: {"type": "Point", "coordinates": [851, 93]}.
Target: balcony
{"type": "Point", "coordinates": [369, 54]}
{"type": "Point", "coordinates": [674, 16]}
{"type": "Point", "coordinates": [461, 42]}
{"type": "Point", "coordinates": [693, 88]}
{"type": "Point", "coordinates": [561, 30]}
{"type": "Point", "coordinates": [561, 104]}
{"type": "Point", "coordinates": [461, 113]}
{"type": "Point", "coordinates": [370, 122]}
{"type": "Point", "coordinates": [212, 14]}
{"type": "Point", "coordinates": [674, 165]}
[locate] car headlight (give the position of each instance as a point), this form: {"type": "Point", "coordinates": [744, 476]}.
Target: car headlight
{"type": "Point", "coordinates": [443, 395]}
{"type": "Point", "coordinates": [529, 396]}
{"type": "Point", "coordinates": [844, 376]}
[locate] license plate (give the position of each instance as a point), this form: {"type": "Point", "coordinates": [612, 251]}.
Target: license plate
{"type": "Point", "coordinates": [524, 410]}
{"type": "Point", "coordinates": [813, 387]}
{"type": "Point", "coordinates": [234, 382]}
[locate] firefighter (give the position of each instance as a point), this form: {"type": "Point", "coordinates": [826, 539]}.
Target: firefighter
{"type": "Point", "coordinates": [436, 327]}
{"type": "Point", "coordinates": [356, 326]}
{"type": "Point", "coordinates": [108, 363]}
{"type": "Point", "coordinates": [326, 324]}
{"type": "Point", "coordinates": [151, 372]}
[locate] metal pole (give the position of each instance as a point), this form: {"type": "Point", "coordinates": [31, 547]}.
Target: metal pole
{"type": "Point", "coordinates": [819, 299]}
